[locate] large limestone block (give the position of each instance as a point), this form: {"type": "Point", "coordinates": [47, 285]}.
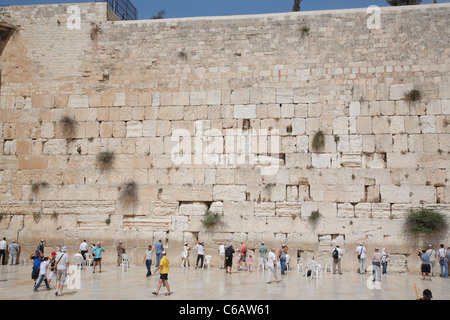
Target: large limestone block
{"type": "Point", "coordinates": [321, 160]}
{"type": "Point", "coordinates": [395, 194]}
{"type": "Point", "coordinates": [444, 90]}
{"type": "Point", "coordinates": [245, 111]}
{"type": "Point", "coordinates": [264, 209]}
{"type": "Point", "coordinates": [78, 101]}
{"type": "Point", "coordinates": [273, 192]}
{"type": "Point", "coordinates": [345, 210]}
{"type": "Point", "coordinates": [398, 91]}
{"type": "Point", "coordinates": [238, 208]}
{"type": "Point", "coordinates": [288, 209]}
{"type": "Point", "coordinates": [229, 192]}
{"type": "Point", "coordinates": [381, 210]}
{"type": "Point", "coordinates": [192, 208]}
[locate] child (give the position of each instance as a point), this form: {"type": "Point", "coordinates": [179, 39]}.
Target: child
{"type": "Point", "coordinates": [238, 259]}
{"type": "Point", "coordinates": [37, 259]}
{"type": "Point", "coordinates": [52, 267]}
{"type": "Point", "coordinates": [250, 263]}
{"type": "Point", "coordinates": [43, 274]}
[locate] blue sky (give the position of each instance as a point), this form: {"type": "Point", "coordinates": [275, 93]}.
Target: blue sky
{"type": "Point", "coordinates": [195, 8]}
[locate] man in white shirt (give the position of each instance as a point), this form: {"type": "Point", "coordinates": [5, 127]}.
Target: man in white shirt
{"type": "Point", "coordinates": [271, 264]}
{"type": "Point", "coordinates": [84, 248]}
{"type": "Point", "coordinates": [2, 251]}
{"type": "Point", "coordinates": [62, 264]}
{"type": "Point", "coordinates": [361, 254]}
{"type": "Point", "coordinates": [185, 256]}
{"type": "Point", "coordinates": [200, 249]}
{"type": "Point", "coordinates": [337, 259]}
{"type": "Point", "coordinates": [43, 275]}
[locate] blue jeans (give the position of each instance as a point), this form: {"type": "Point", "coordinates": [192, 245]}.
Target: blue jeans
{"type": "Point", "coordinates": [444, 264]}
{"type": "Point", "coordinates": [384, 267]}
{"type": "Point", "coordinates": [376, 271]}
{"type": "Point", "coordinates": [158, 259]}
{"type": "Point", "coordinates": [44, 278]}
{"type": "Point", "coordinates": [148, 264]}
{"type": "Point", "coordinates": [282, 265]}
{"type": "Point", "coordinates": [199, 258]}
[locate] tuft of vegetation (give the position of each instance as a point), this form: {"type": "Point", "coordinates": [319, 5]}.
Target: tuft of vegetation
{"type": "Point", "coordinates": [95, 31]}
{"type": "Point", "coordinates": [129, 191]}
{"type": "Point", "coordinates": [413, 95]}
{"type": "Point", "coordinates": [182, 55]}
{"type": "Point", "coordinates": [105, 159]}
{"type": "Point", "coordinates": [318, 140]}
{"type": "Point", "coordinates": [304, 30]}
{"type": "Point", "coordinates": [160, 15]}
{"type": "Point", "coordinates": [403, 2]}
{"type": "Point", "coordinates": [36, 216]}
{"type": "Point", "coordinates": [210, 218]}
{"type": "Point", "coordinates": [35, 187]}
{"type": "Point", "coordinates": [296, 6]}
{"type": "Point", "coordinates": [68, 126]}
{"type": "Point", "coordinates": [425, 221]}
{"type": "Point", "coordinates": [315, 215]}
{"type": "Point", "coordinates": [108, 221]}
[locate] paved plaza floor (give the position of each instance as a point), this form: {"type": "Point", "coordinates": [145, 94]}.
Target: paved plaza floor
{"type": "Point", "coordinates": [215, 284]}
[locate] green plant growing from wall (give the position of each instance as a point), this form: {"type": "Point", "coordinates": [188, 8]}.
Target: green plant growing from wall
{"type": "Point", "coordinates": [413, 95]}
{"type": "Point", "coordinates": [314, 217]}
{"type": "Point", "coordinates": [305, 31]}
{"type": "Point", "coordinates": [425, 221]}
{"type": "Point", "coordinates": [95, 31]}
{"type": "Point", "coordinates": [318, 140]}
{"type": "Point", "coordinates": [68, 126]}
{"type": "Point", "coordinates": [36, 187]}
{"type": "Point", "coordinates": [210, 218]}
{"type": "Point", "coordinates": [128, 193]}
{"type": "Point", "coordinates": [105, 159]}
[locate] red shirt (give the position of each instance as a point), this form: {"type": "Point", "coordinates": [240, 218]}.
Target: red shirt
{"type": "Point", "coordinates": [243, 249]}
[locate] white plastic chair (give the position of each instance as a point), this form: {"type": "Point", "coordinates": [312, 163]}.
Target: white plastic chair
{"type": "Point", "coordinates": [260, 264]}
{"type": "Point", "coordinates": [79, 261]}
{"type": "Point", "coordinates": [288, 259]}
{"type": "Point", "coordinates": [125, 263]}
{"type": "Point", "coordinates": [314, 268]}
{"type": "Point", "coordinates": [207, 262]}
{"type": "Point", "coordinates": [326, 262]}
{"type": "Point", "coordinates": [88, 260]}
{"type": "Point", "coordinates": [299, 264]}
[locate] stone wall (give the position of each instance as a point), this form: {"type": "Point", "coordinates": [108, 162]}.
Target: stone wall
{"type": "Point", "coordinates": [226, 83]}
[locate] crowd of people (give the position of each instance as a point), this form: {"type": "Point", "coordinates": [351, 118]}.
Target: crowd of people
{"type": "Point", "coordinates": [55, 265]}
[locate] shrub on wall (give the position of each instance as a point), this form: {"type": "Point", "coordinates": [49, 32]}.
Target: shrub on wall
{"type": "Point", "coordinates": [68, 126]}
{"type": "Point", "coordinates": [210, 218]}
{"type": "Point", "coordinates": [425, 221]}
{"type": "Point", "coordinates": [318, 140]}
{"type": "Point", "coordinates": [105, 159]}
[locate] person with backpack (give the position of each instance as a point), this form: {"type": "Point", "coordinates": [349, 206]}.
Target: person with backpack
{"type": "Point", "coordinates": [337, 255]}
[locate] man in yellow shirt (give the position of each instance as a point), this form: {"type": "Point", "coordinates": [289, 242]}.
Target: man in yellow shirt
{"type": "Point", "coordinates": [163, 274]}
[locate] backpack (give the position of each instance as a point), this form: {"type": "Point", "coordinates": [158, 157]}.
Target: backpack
{"type": "Point", "coordinates": [335, 254]}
